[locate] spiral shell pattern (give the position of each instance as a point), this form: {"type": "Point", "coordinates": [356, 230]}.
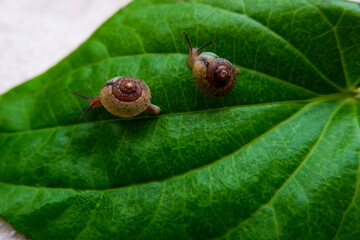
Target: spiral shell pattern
{"type": "Point", "coordinates": [220, 73]}
{"type": "Point", "coordinates": [127, 90]}
{"type": "Point", "coordinates": [215, 77]}
{"type": "Point", "coordinates": [125, 96]}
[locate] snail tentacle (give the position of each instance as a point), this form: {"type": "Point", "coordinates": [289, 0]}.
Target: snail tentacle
{"type": "Point", "coordinates": [194, 52]}
{"type": "Point", "coordinates": [94, 102]}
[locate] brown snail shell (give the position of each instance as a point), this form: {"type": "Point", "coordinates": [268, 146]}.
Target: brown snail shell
{"type": "Point", "coordinates": [213, 76]}
{"type": "Point", "coordinates": [123, 97]}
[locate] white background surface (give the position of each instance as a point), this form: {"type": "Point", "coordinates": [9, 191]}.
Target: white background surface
{"type": "Point", "coordinates": [36, 34]}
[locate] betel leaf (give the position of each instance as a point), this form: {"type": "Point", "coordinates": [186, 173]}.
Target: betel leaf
{"type": "Point", "coordinates": [277, 158]}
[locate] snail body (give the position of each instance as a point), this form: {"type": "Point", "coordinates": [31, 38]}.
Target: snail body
{"type": "Point", "coordinates": [213, 76]}
{"type": "Point", "coordinates": [123, 97]}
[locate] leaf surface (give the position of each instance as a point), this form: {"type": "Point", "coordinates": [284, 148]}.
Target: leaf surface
{"type": "Point", "coordinates": [277, 158]}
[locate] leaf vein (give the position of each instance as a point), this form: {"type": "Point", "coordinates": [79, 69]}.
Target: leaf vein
{"type": "Point", "coordinates": [356, 186]}
{"type": "Point", "coordinates": [92, 214]}
{"type": "Point", "coordinates": [157, 116]}
{"type": "Point", "coordinates": [336, 35]}
{"type": "Point", "coordinates": [196, 169]}
{"type": "Point", "coordinates": [287, 180]}
{"type": "Point", "coordinates": [296, 50]}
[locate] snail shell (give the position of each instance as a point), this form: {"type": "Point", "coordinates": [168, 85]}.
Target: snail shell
{"type": "Point", "coordinates": [125, 96]}
{"type": "Point", "coordinates": [214, 77]}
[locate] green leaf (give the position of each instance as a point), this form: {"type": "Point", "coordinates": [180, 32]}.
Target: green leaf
{"type": "Point", "coordinates": [277, 158]}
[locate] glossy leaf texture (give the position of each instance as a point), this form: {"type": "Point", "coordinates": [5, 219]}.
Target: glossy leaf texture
{"type": "Point", "coordinates": [277, 158]}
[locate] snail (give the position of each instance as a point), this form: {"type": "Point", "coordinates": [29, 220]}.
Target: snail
{"type": "Point", "coordinates": [123, 97]}
{"type": "Point", "coordinates": [213, 76]}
